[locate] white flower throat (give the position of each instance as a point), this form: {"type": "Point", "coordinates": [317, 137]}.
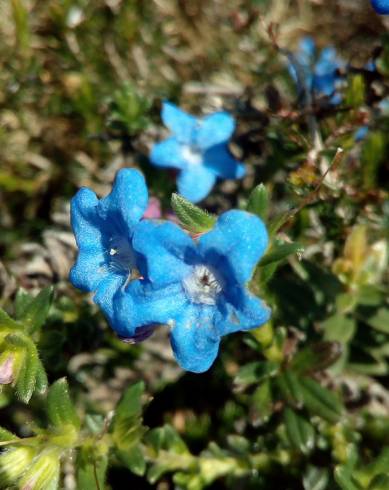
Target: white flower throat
{"type": "Point", "coordinates": [192, 155]}
{"type": "Point", "coordinates": [203, 285]}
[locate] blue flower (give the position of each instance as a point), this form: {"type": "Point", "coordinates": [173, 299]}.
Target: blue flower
{"type": "Point", "coordinates": [198, 288]}
{"type": "Point", "coordinates": [380, 6]}
{"type": "Point", "coordinates": [104, 231]}
{"type": "Point", "coordinates": [198, 148]}
{"type": "Point", "coordinates": [316, 74]}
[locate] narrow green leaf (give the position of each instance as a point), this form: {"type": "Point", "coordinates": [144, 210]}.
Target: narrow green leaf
{"type": "Point", "coordinates": [300, 432]}
{"type": "Point", "coordinates": [290, 388]}
{"type": "Point", "coordinates": [339, 328]}
{"type": "Point", "coordinates": [60, 408]}
{"type": "Point", "coordinates": [345, 480]}
{"type": "Point", "coordinates": [380, 321]}
{"type": "Point", "coordinates": [380, 482]}
{"type": "Point", "coordinates": [22, 300]}
{"type": "Point", "coordinates": [91, 469]}
{"type": "Point", "coordinates": [6, 435]}
{"type": "Point", "coordinates": [126, 425]}
{"type": "Point", "coordinates": [36, 311]}
{"type": "Point", "coordinates": [255, 372]}
{"type": "Point", "coordinates": [315, 478]}
{"type": "Point", "coordinates": [258, 202]}
{"type": "Point", "coordinates": [193, 218]}
{"type": "Point", "coordinates": [133, 460]}
{"type": "Point", "coordinates": [280, 251]}
{"type": "Point", "coordinates": [7, 322]}
{"type": "Point", "coordinates": [316, 357]}
{"type": "Point", "coordinates": [320, 401]}
{"type": "Point", "coordinates": [41, 378]}
{"type": "Point", "coordinates": [26, 380]}
{"type": "Point", "coordinates": [262, 404]}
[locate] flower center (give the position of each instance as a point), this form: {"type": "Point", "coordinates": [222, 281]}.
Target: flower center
{"type": "Point", "coordinates": [192, 155]}
{"type": "Point", "coordinates": [121, 255]}
{"type": "Point", "coordinates": [203, 285]}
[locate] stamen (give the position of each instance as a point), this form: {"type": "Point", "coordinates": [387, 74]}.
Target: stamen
{"type": "Point", "coordinates": [192, 155]}
{"type": "Point", "coordinates": [203, 285]}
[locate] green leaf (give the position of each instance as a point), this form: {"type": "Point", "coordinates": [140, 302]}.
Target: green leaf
{"type": "Point", "coordinates": [7, 322]}
{"type": "Point", "coordinates": [6, 435]}
{"type": "Point", "coordinates": [289, 386]}
{"type": "Point", "coordinates": [380, 482]}
{"type": "Point", "coordinates": [345, 480]}
{"type": "Point", "coordinates": [380, 321]}
{"type": "Point", "coordinates": [339, 328]}
{"type": "Point", "coordinates": [41, 378]}
{"type": "Point", "coordinates": [300, 432]}
{"type": "Point", "coordinates": [91, 468]}
{"type": "Point", "coordinates": [22, 300]}
{"type": "Point", "coordinates": [280, 251]}
{"type": "Point", "coordinates": [35, 313]}
{"type": "Point", "coordinates": [258, 202]}
{"type": "Point", "coordinates": [320, 401]}
{"type": "Point", "coordinates": [255, 372]}
{"type": "Point", "coordinates": [26, 377]}
{"type": "Point", "coordinates": [133, 460]}
{"type": "Point", "coordinates": [60, 408]}
{"type": "Point", "coordinates": [316, 357]}
{"type": "Point", "coordinates": [193, 218]}
{"type": "Point", "coordinates": [315, 478]}
{"type": "Point", "coordinates": [262, 404]}
{"type": "Point", "coordinates": [126, 425]}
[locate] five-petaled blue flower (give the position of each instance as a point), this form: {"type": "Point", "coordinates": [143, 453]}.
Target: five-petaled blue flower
{"type": "Point", "coordinates": [316, 74]}
{"type": "Point", "coordinates": [381, 6]}
{"type": "Point", "coordinates": [198, 148]}
{"type": "Point", "coordinates": [104, 231]}
{"type": "Point", "coordinates": [198, 288]}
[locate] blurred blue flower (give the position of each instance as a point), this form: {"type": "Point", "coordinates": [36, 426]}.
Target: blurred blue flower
{"type": "Point", "coordinates": [198, 148]}
{"type": "Point", "coordinates": [316, 74]}
{"type": "Point", "coordinates": [380, 6]}
{"type": "Point", "coordinates": [104, 230]}
{"type": "Point", "coordinates": [196, 287]}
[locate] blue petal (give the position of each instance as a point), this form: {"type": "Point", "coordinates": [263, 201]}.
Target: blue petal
{"type": "Point", "coordinates": [168, 153]}
{"type": "Point", "coordinates": [105, 294]}
{"type": "Point", "coordinates": [240, 310]}
{"type": "Point", "coordinates": [220, 161]}
{"type": "Point", "coordinates": [126, 203]}
{"type": "Point", "coordinates": [381, 6]}
{"type": "Point", "coordinates": [214, 129]}
{"type": "Point", "coordinates": [167, 251]}
{"type": "Point", "coordinates": [196, 182]}
{"type": "Point", "coordinates": [179, 122]}
{"type": "Point", "coordinates": [307, 50]}
{"type": "Point", "coordinates": [235, 245]}
{"type": "Point", "coordinates": [88, 228]}
{"type": "Point", "coordinates": [194, 339]}
{"type": "Point", "coordinates": [140, 305]}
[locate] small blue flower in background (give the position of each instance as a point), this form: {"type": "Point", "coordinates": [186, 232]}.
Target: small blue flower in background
{"type": "Point", "coordinates": [104, 229]}
{"type": "Point", "coordinates": [316, 74]}
{"type": "Point", "coordinates": [380, 6]}
{"type": "Point", "coordinates": [198, 288]}
{"type": "Point", "coordinates": [198, 148]}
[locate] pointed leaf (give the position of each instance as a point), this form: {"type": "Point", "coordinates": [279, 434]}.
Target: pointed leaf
{"type": "Point", "coordinates": [7, 322]}
{"type": "Point", "coordinates": [380, 482]}
{"type": "Point", "coordinates": [134, 460]}
{"type": "Point", "coordinates": [316, 357]}
{"type": "Point", "coordinates": [280, 251]}
{"type": "Point", "coordinates": [258, 202]}
{"type": "Point", "coordinates": [60, 408]}
{"type": "Point", "coordinates": [35, 313]}
{"type": "Point", "coordinates": [320, 401]}
{"type": "Point", "coordinates": [91, 469]}
{"type": "Point", "coordinates": [193, 218]}
{"type": "Point", "coordinates": [345, 480]}
{"type": "Point", "coordinates": [255, 372]}
{"type": "Point", "coordinates": [300, 432]}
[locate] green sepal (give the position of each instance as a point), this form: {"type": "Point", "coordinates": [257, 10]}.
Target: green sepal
{"type": "Point", "coordinates": [192, 218]}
